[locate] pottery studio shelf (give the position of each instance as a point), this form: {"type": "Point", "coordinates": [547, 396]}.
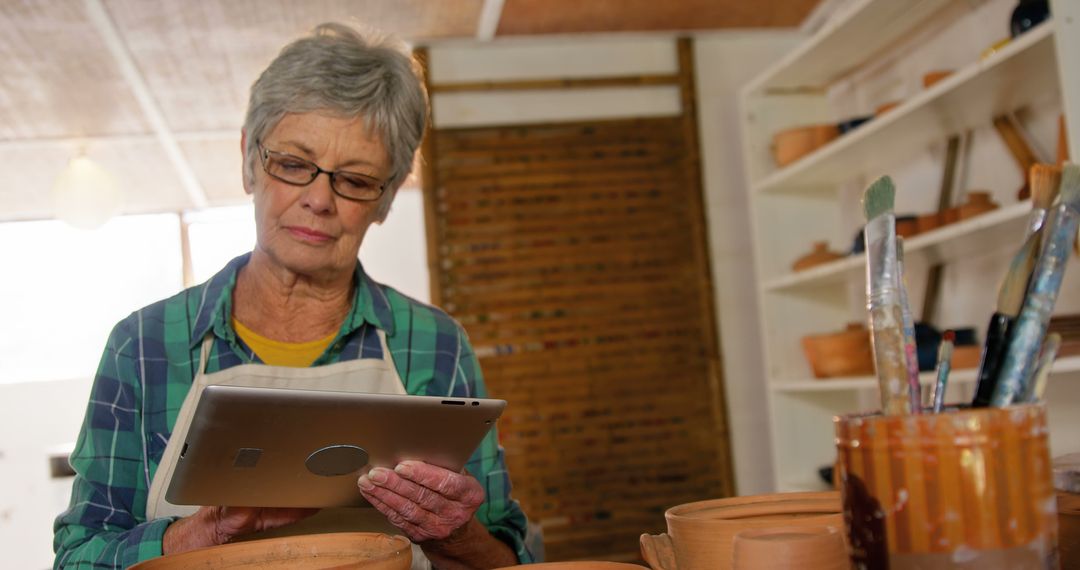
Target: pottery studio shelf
{"type": "Point", "coordinates": [993, 231]}
{"type": "Point", "coordinates": [1063, 367]}
{"type": "Point", "coordinates": [1013, 78]}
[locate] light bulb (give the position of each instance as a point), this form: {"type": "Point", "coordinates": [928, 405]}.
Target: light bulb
{"type": "Point", "coordinates": [85, 195]}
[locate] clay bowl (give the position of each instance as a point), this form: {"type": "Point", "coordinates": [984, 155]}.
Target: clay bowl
{"type": "Point", "coordinates": [846, 353]}
{"type": "Point", "coordinates": [932, 77]}
{"type": "Point", "coordinates": [928, 222]}
{"type": "Point", "coordinates": [818, 255]}
{"type": "Point", "coordinates": [792, 144]}
{"type": "Point", "coordinates": [577, 565]}
{"type": "Point", "coordinates": [885, 108]}
{"type": "Point", "coordinates": [966, 356]}
{"type": "Point", "coordinates": [791, 548]}
{"type": "Point", "coordinates": [700, 535]}
{"type": "Point", "coordinates": [343, 550]}
{"type": "Point", "coordinates": [977, 203]}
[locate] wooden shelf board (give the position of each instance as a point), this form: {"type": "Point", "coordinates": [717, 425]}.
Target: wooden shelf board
{"type": "Point", "coordinates": [1063, 366]}
{"type": "Point", "coordinates": [1022, 74]}
{"type": "Point", "coordinates": [993, 231]}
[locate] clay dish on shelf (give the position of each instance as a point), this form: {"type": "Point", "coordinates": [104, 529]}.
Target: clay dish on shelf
{"type": "Point", "coordinates": [845, 353]}
{"type": "Point", "coordinates": [977, 203]}
{"type": "Point", "coordinates": [932, 77]}
{"type": "Point", "coordinates": [700, 535]}
{"type": "Point", "coordinates": [885, 108]}
{"type": "Point", "coordinates": [791, 548]}
{"type": "Point", "coordinates": [792, 144]}
{"type": "Point", "coordinates": [907, 226]}
{"type": "Point", "coordinates": [929, 222]}
{"type": "Point", "coordinates": [818, 255]}
{"type": "Point", "coordinates": [359, 550]}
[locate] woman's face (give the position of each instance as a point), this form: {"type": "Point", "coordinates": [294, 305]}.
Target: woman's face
{"type": "Point", "coordinates": [308, 229]}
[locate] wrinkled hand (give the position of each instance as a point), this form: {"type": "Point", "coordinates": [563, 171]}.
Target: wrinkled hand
{"type": "Point", "coordinates": [424, 501]}
{"type": "Point", "coordinates": [211, 526]}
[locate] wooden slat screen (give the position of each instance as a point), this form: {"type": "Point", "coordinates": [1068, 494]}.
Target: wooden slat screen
{"type": "Point", "coordinates": [574, 256]}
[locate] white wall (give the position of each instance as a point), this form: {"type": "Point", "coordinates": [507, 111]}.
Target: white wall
{"type": "Point", "coordinates": [725, 62]}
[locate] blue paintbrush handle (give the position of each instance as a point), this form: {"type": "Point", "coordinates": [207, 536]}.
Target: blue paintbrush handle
{"type": "Point", "coordinates": [1030, 328]}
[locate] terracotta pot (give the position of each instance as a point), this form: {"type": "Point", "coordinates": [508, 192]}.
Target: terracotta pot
{"type": "Point", "coordinates": [885, 108]}
{"type": "Point", "coordinates": [951, 215]}
{"type": "Point", "coordinates": [577, 565]}
{"type": "Point", "coordinates": [818, 255]}
{"type": "Point", "coordinates": [343, 550]}
{"type": "Point", "coordinates": [793, 144]}
{"type": "Point", "coordinates": [700, 535]}
{"type": "Point", "coordinates": [977, 203]}
{"type": "Point", "coordinates": [929, 222]}
{"type": "Point", "coordinates": [847, 353]}
{"type": "Point", "coordinates": [791, 548]}
{"type": "Point", "coordinates": [907, 226]}
{"type": "Point", "coordinates": [932, 77]}
{"type": "Point", "coordinates": [966, 356]}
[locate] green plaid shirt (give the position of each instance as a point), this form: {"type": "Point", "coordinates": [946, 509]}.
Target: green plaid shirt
{"type": "Point", "coordinates": [147, 369]}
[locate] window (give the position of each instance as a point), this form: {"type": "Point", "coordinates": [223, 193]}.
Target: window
{"type": "Point", "coordinates": [64, 289]}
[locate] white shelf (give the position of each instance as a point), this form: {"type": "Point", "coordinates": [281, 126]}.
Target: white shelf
{"type": "Point", "coordinates": [872, 25]}
{"type": "Point", "coordinates": [993, 231]}
{"type": "Point", "coordinates": [1062, 366]}
{"type": "Point", "coordinates": [1016, 77]}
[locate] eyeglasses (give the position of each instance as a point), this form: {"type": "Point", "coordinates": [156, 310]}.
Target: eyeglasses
{"type": "Point", "coordinates": [296, 171]}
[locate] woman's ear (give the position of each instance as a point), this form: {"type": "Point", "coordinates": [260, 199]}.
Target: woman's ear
{"type": "Point", "coordinates": [243, 163]}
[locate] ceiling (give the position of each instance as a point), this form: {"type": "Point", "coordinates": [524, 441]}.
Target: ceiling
{"type": "Point", "coordinates": [155, 90]}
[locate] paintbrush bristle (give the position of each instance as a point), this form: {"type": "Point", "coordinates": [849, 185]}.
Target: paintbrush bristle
{"type": "Point", "coordinates": [1070, 186]}
{"type": "Point", "coordinates": [878, 198]}
{"type": "Point", "coordinates": [1045, 181]}
{"type": "Point", "coordinates": [1014, 287]}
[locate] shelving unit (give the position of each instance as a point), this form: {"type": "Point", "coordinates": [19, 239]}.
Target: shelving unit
{"type": "Point", "coordinates": [809, 200]}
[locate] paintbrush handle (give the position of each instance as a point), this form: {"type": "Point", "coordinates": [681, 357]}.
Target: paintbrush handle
{"type": "Point", "coordinates": [997, 340]}
{"type": "Point", "coordinates": [1030, 328]}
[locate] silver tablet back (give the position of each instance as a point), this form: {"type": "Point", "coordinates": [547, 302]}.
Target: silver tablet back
{"type": "Point", "coordinates": [273, 447]}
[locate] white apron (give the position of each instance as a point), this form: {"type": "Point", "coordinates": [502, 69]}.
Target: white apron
{"type": "Point", "coordinates": [361, 375]}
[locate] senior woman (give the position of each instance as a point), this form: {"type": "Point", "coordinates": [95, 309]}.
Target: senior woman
{"type": "Point", "coordinates": [330, 134]}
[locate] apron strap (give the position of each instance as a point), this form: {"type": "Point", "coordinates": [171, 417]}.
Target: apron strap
{"type": "Point", "coordinates": [204, 354]}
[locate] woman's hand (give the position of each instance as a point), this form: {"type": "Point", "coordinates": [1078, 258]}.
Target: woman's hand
{"type": "Point", "coordinates": [424, 501]}
{"type": "Point", "coordinates": [211, 526]}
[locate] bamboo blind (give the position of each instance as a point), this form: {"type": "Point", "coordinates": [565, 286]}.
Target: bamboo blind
{"type": "Point", "coordinates": [574, 256]}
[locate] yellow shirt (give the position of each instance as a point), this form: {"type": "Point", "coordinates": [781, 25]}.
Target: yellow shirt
{"type": "Point", "coordinates": [277, 353]}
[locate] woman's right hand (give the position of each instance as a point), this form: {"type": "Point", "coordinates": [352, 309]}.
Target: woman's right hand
{"type": "Point", "coordinates": [211, 526]}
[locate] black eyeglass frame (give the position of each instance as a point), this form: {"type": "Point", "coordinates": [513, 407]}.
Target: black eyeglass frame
{"type": "Point", "coordinates": [264, 155]}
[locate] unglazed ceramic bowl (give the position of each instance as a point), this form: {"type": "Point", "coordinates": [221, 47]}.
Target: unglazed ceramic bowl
{"type": "Point", "coordinates": [351, 550]}
{"type": "Point", "coordinates": [700, 535]}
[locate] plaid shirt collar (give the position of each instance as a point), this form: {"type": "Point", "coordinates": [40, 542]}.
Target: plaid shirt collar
{"type": "Point", "coordinates": [370, 304]}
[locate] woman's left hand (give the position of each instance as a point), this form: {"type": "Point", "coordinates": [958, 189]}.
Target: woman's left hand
{"type": "Point", "coordinates": [424, 501]}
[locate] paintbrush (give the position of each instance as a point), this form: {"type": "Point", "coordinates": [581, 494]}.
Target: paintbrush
{"type": "Point", "coordinates": [944, 365]}
{"type": "Point", "coordinates": [1029, 330]}
{"type": "Point", "coordinates": [910, 350]}
{"type": "Point", "coordinates": [1042, 373]}
{"type": "Point", "coordinates": [1045, 180]}
{"type": "Point", "coordinates": [1010, 301]}
{"type": "Point", "coordinates": [883, 297]}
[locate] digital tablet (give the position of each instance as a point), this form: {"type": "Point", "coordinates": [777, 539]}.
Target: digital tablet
{"type": "Point", "coordinates": [276, 447]}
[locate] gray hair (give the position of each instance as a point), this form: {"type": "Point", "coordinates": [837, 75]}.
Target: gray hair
{"type": "Point", "coordinates": [336, 69]}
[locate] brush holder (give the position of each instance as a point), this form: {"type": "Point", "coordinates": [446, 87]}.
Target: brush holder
{"type": "Point", "coordinates": [965, 488]}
